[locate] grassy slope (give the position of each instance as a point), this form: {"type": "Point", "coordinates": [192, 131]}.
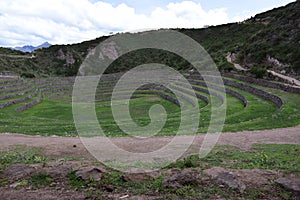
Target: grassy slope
{"type": "Point", "coordinates": [55, 117]}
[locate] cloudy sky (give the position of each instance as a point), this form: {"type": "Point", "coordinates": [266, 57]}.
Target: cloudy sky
{"type": "Point", "coordinates": [71, 21]}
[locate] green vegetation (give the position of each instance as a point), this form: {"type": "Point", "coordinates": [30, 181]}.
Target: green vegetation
{"type": "Point", "coordinates": [258, 72]}
{"type": "Point", "coordinates": [7, 51]}
{"type": "Point", "coordinates": [278, 38]}
{"type": "Point", "coordinates": [53, 116]}
{"type": "Point", "coordinates": [271, 34]}
{"type": "Point", "coordinates": [21, 155]}
{"type": "Point", "coordinates": [279, 157]}
{"type": "Point", "coordinates": [40, 180]}
{"type": "Point", "coordinates": [261, 156]}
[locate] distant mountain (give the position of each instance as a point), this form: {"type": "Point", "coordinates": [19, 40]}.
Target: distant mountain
{"type": "Point", "coordinates": [29, 48]}
{"type": "Point", "coordinates": [44, 45]}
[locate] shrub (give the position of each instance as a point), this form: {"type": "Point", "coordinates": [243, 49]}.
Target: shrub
{"type": "Point", "coordinates": [258, 71]}
{"type": "Point", "coordinates": [27, 75]}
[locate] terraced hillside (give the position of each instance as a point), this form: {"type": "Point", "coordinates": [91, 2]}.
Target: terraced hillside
{"type": "Point", "coordinates": [44, 106]}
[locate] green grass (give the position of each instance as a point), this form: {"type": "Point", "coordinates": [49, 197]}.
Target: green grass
{"type": "Point", "coordinates": [54, 116]}
{"type": "Point", "coordinates": [21, 155]}
{"type": "Point", "coordinates": [261, 156]}
{"type": "Point", "coordinates": [40, 180]}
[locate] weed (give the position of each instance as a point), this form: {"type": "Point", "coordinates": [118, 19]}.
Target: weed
{"type": "Point", "coordinates": [263, 156]}
{"type": "Point", "coordinates": [40, 180]}
{"type": "Point", "coordinates": [76, 182]}
{"type": "Point", "coordinates": [23, 183]}
{"type": "Point", "coordinates": [21, 155]}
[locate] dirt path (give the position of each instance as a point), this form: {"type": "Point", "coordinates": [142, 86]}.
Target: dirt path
{"type": "Point", "coordinates": [17, 56]}
{"type": "Point", "coordinates": [72, 147]}
{"type": "Point", "coordinates": [293, 82]}
{"type": "Point", "coordinates": [237, 66]}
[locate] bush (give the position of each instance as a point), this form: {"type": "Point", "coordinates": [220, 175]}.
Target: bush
{"type": "Point", "coordinates": [228, 67]}
{"type": "Point", "coordinates": [258, 71]}
{"type": "Point", "coordinates": [27, 75]}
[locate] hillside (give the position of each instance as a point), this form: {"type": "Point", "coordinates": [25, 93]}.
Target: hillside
{"type": "Point", "coordinates": [268, 40]}
{"type": "Point", "coordinates": [279, 39]}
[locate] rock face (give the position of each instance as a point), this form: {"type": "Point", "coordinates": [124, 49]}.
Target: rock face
{"type": "Point", "coordinates": [290, 184]}
{"type": "Point", "coordinates": [93, 173]}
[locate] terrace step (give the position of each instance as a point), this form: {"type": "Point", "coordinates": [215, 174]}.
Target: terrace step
{"type": "Point", "coordinates": [30, 104]}
{"type": "Point", "coordinates": [16, 101]}
{"type": "Point", "coordinates": [234, 93]}
{"type": "Point", "coordinates": [258, 92]}
{"type": "Point", "coordinates": [252, 90]}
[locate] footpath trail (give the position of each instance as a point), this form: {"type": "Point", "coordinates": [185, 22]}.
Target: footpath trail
{"type": "Point", "coordinates": [291, 80]}
{"type": "Point", "coordinates": [16, 56]}
{"type": "Point", "coordinates": [237, 66]}
{"type": "Point", "coordinates": [294, 82]}
{"type": "Point", "coordinates": [73, 147]}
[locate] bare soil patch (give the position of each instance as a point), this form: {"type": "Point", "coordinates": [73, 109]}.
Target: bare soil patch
{"type": "Point", "coordinates": [72, 146]}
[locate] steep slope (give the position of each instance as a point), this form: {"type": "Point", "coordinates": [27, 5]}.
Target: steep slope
{"type": "Point", "coordinates": [276, 45]}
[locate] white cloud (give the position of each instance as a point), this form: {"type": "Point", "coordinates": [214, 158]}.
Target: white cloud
{"type": "Point", "coordinates": [68, 21]}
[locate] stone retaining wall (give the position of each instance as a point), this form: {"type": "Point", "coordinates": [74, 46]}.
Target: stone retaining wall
{"type": "Point", "coordinates": [265, 95]}
{"type": "Point", "coordinates": [227, 90]}
{"type": "Point", "coordinates": [264, 83]}
{"type": "Point", "coordinates": [16, 101]}
{"type": "Point", "coordinates": [186, 91]}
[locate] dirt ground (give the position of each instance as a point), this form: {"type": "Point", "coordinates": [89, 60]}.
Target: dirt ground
{"type": "Point", "coordinates": [72, 146]}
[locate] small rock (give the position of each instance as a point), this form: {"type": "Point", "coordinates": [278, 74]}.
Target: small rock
{"type": "Point", "coordinates": [125, 196]}
{"type": "Point", "coordinates": [94, 173]}
{"type": "Point", "coordinates": [141, 177]}
{"type": "Point", "coordinates": [182, 178]}
{"type": "Point", "coordinates": [109, 188]}
{"type": "Point", "coordinates": [290, 184]}
{"type": "Point", "coordinates": [15, 185]}
{"type": "Point", "coordinates": [231, 180]}
{"type": "Point", "coordinates": [59, 172]}
{"type": "Point", "coordinates": [227, 178]}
